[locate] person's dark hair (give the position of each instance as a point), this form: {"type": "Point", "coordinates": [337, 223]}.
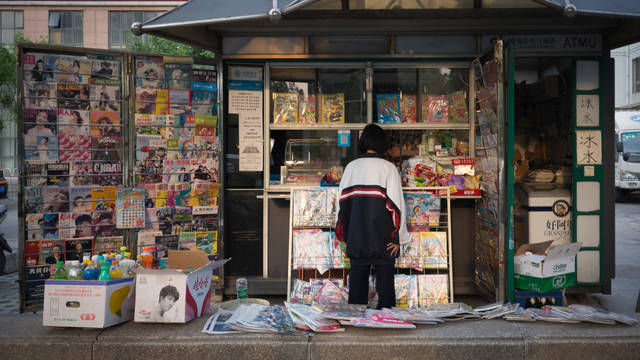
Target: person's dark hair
{"type": "Point", "coordinates": [169, 290]}
{"type": "Point", "coordinates": [82, 218]}
{"type": "Point", "coordinates": [373, 138]}
{"type": "Point", "coordinates": [57, 246]}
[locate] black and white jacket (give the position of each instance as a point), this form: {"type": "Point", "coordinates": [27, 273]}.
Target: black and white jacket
{"type": "Point", "coordinates": [371, 210]}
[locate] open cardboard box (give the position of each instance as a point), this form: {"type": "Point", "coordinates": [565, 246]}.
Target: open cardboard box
{"type": "Point", "coordinates": [174, 294]}
{"type": "Point", "coordinates": [547, 268]}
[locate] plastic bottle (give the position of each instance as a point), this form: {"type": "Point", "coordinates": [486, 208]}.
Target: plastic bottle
{"type": "Point", "coordinates": [123, 250]}
{"type": "Point", "coordinates": [147, 258]}
{"type": "Point", "coordinates": [104, 271]}
{"type": "Point", "coordinates": [153, 251]}
{"type": "Point", "coordinates": [242, 289]}
{"type": "Point", "coordinates": [114, 271]}
{"type": "Point", "coordinates": [60, 273]}
{"type": "Point", "coordinates": [90, 272]}
{"type": "Point", "coordinates": [139, 264]}
{"type": "Point", "coordinates": [126, 265]}
{"type": "Point", "coordinates": [85, 260]}
{"type": "Point", "coordinates": [74, 272]}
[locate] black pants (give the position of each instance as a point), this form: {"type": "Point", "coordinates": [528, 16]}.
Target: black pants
{"type": "Point", "coordinates": [359, 284]}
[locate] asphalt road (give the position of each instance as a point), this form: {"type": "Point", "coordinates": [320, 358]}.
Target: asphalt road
{"type": "Point", "coordinates": [626, 285]}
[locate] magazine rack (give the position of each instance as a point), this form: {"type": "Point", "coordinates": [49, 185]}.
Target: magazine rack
{"type": "Point", "coordinates": [312, 223]}
{"type": "Point", "coordinates": [96, 122]}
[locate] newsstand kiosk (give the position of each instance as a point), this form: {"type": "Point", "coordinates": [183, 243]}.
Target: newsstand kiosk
{"type": "Point", "coordinates": [507, 105]}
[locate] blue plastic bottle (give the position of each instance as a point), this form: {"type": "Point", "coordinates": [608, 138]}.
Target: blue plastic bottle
{"type": "Point", "coordinates": [90, 272]}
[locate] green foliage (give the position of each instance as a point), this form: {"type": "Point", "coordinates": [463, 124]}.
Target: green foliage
{"type": "Point", "coordinates": [156, 45]}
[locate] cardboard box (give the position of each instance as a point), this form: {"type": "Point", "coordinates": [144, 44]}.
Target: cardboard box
{"type": "Point", "coordinates": [548, 267]}
{"type": "Point", "coordinates": [174, 295]}
{"type": "Point", "coordinates": [546, 212]}
{"type": "Point", "coordinates": [88, 304]}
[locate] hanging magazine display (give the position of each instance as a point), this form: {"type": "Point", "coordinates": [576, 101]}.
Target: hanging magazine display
{"type": "Point", "coordinates": [81, 125]}
{"type": "Point", "coordinates": [177, 153]}
{"type": "Point", "coordinates": [72, 127]}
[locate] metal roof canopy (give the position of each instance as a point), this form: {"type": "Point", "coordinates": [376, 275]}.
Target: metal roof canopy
{"type": "Point", "coordinates": [201, 22]}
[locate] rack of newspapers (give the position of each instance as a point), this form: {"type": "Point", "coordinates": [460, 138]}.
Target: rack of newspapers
{"type": "Point", "coordinates": [113, 154]}
{"type": "Point", "coordinates": [423, 268]}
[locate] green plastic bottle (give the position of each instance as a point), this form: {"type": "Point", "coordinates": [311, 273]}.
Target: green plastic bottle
{"type": "Point", "coordinates": [60, 273]}
{"type": "Point", "coordinates": [104, 271]}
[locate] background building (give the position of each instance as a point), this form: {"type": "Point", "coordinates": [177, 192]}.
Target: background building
{"type": "Point", "coordinates": [627, 75]}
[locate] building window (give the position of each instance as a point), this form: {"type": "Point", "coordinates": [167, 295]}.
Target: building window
{"type": "Point", "coordinates": [635, 86]}
{"type": "Point", "coordinates": [120, 26]}
{"type": "Point", "coordinates": [65, 28]}
{"type": "Point", "coordinates": [10, 22]}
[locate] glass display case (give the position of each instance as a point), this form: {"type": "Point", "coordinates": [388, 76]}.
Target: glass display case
{"type": "Point", "coordinates": [424, 108]}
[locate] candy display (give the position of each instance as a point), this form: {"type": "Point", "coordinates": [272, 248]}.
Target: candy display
{"type": "Point", "coordinates": [459, 175]}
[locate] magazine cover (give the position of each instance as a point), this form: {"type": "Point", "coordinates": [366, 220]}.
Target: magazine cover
{"type": "Point", "coordinates": [40, 122]}
{"type": "Point", "coordinates": [82, 223]}
{"type": "Point", "coordinates": [66, 228]}
{"type": "Point", "coordinates": [108, 245]}
{"type": "Point", "coordinates": [332, 108]}
{"type": "Point", "coordinates": [149, 72]}
{"type": "Point", "coordinates": [81, 173]}
{"type": "Point", "coordinates": [312, 249]}
{"type": "Point", "coordinates": [105, 70]}
{"type": "Point", "coordinates": [36, 174]}
{"type": "Point", "coordinates": [388, 108]}
{"type": "Point", "coordinates": [178, 76]}
{"type": "Point", "coordinates": [146, 95]}
{"type": "Point", "coordinates": [80, 197]}
{"type": "Point", "coordinates": [205, 109]}
{"type": "Point", "coordinates": [433, 289]}
{"type": "Point", "coordinates": [180, 109]}
{"type": "Point", "coordinates": [104, 98]}
{"type": "Point", "coordinates": [33, 201]}
{"type": "Point", "coordinates": [182, 220]}
{"type": "Point", "coordinates": [56, 199]}
{"type": "Point", "coordinates": [165, 219]}
{"type": "Point", "coordinates": [203, 97]}
{"type": "Point", "coordinates": [104, 224]}
{"type": "Point", "coordinates": [74, 148]}
{"type": "Point", "coordinates": [285, 108]}
{"type": "Point", "coordinates": [436, 107]}
{"type": "Point", "coordinates": [307, 109]}
{"type": "Point", "coordinates": [79, 248]}
{"type": "Point", "coordinates": [107, 173]}
{"type": "Point", "coordinates": [408, 108]}
{"type": "Point", "coordinates": [206, 125]}
{"type": "Point", "coordinates": [50, 226]}
{"type": "Point", "coordinates": [41, 148]}
{"type": "Point", "coordinates": [410, 252]}
{"type": "Point", "coordinates": [162, 102]}
{"type": "Point", "coordinates": [164, 243]}
{"type": "Point", "coordinates": [187, 240]}
{"type": "Point", "coordinates": [130, 208]}
{"type": "Point", "coordinates": [105, 124]}
{"type": "Point", "coordinates": [73, 122]}
{"type": "Point", "coordinates": [147, 238]}
{"type": "Point", "coordinates": [73, 96]}
{"type": "Point", "coordinates": [40, 67]}
{"type": "Point", "coordinates": [207, 241]}
{"type": "Point", "coordinates": [458, 109]}
{"type": "Point", "coordinates": [406, 291]}
{"type": "Point", "coordinates": [103, 198]}
{"type": "Point", "coordinates": [147, 107]}
{"type": "Point", "coordinates": [40, 95]}
{"type": "Point", "coordinates": [150, 147]}
{"type": "Point", "coordinates": [58, 174]}
{"type": "Point", "coordinates": [34, 224]}
{"type": "Point", "coordinates": [423, 211]}
{"type": "Point", "coordinates": [73, 70]}
{"type": "Point", "coordinates": [51, 252]}
{"type": "Point", "coordinates": [205, 78]}
{"type": "Point", "coordinates": [434, 249]}
{"type": "Point", "coordinates": [181, 97]}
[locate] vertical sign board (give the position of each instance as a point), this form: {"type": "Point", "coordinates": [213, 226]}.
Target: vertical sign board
{"type": "Point", "coordinates": [588, 170]}
{"type": "Point", "coordinates": [245, 100]}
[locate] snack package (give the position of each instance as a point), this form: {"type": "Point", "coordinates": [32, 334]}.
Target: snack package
{"type": "Point", "coordinates": [408, 108]}
{"type": "Point", "coordinates": [285, 108]}
{"type": "Point", "coordinates": [307, 113]}
{"type": "Point", "coordinates": [388, 108]}
{"type": "Point", "coordinates": [458, 109]}
{"type": "Point", "coordinates": [464, 166]}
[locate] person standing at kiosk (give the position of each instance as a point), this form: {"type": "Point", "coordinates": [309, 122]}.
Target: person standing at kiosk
{"type": "Point", "coordinates": [371, 218]}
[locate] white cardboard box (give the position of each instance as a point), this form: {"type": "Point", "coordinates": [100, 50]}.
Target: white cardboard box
{"type": "Point", "coordinates": [90, 304]}
{"type": "Point", "coordinates": [172, 295]}
{"type": "Point", "coordinates": [559, 259]}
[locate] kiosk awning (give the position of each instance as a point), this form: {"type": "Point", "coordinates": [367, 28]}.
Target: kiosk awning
{"type": "Point", "coordinates": [200, 22]}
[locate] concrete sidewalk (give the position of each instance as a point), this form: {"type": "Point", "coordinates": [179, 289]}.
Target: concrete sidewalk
{"type": "Point", "coordinates": [24, 337]}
